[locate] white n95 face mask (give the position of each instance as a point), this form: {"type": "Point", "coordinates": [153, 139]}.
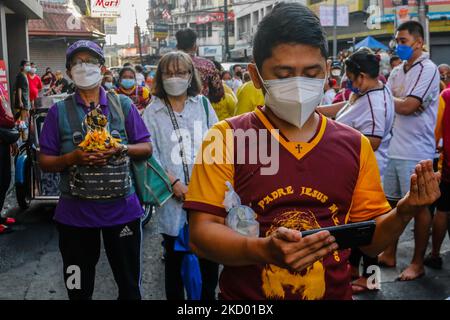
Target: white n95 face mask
{"type": "Point", "coordinates": [294, 99]}
{"type": "Point", "coordinates": [86, 76]}
{"type": "Point", "coordinates": [176, 86]}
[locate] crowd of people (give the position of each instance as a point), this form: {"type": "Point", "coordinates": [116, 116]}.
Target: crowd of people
{"type": "Point", "coordinates": [355, 144]}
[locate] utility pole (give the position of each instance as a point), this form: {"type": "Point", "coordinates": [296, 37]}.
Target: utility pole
{"type": "Point", "coordinates": [335, 29]}
{"type": "Point", "coordinates": [225, 17]}
{"type": "Point", "coordinates": [423, 19]}
{"type": "Point", "coordinates": [138, 33]}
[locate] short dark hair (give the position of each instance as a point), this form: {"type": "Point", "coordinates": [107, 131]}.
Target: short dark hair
{"type": "Point", "coordinates": [186, 39]}
{"type": "Point", "coordinates": [23, 63]}
{"type": "Point", "coordinates": [217, 65]}
{"type": "Point", "coordinates": [288, 23]}
{"type": "Point", "coordinates": [177, 58]}
{"type": "Point", "coordinates": [128, 64]}
{"type": "Point", "coordinates": [394, 58]}
{"type": "Point", "coordinates": [138, 68]}
{"type": "Point", "coordinates": [235, 66]}
{"type": "Point", "coordinates": [413, 27]}
{"type": "Point", "coordinates": [125, 69]}
{"type": "Point", "coordinates": [363, 60]}
{"type": "Point", "coordinates": [224, 73]}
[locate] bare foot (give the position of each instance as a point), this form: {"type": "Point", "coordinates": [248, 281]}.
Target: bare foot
{"type": "Point", "coordinates": [414, 271]}
{"type": "Point", "coordinates": [359, 285]}
{"type": "Point", "coordinates": [386, 261]}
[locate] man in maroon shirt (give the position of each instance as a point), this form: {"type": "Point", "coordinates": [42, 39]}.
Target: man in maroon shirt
{"type": "Point", "coordinates": [327, 176]}
{"type": "Point", "coordinates": [212, 83]}
{"type": "Point", "coordinates": [441, 218]}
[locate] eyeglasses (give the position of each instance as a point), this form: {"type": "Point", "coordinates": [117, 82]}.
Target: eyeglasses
{"type": "Point", "coordinates": [87, 61]}
{"type": "Point", "coordinates": [178, 74]}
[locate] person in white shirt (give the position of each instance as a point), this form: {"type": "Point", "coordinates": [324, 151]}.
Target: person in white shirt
{"type": "Point", "coordinates": [237, 78]}
{"type": "Point", "coordinates": [371, 112]}
{"type": "Point", "coordinates": [177, 116]}
{"type": "Point", "coordinates": [330, 93]}
{"type": "Point", "coordinates": [140, 79]}
{"type": "Point", "coordinates": [415, 86]}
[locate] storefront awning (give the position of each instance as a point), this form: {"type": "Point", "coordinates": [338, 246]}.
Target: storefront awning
{"type": "Point", "coordinates": [59, 20]}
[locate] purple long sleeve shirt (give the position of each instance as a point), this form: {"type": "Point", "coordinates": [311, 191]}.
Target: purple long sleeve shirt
{"type": "Point", "coordinates": [88, 213]}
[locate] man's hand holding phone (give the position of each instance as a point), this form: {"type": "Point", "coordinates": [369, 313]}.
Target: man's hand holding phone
{"type": "Point", "coordinates": [287, 248]}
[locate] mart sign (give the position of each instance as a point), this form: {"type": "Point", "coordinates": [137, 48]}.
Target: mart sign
{"type": "Point", "coordinates": [105, 8]}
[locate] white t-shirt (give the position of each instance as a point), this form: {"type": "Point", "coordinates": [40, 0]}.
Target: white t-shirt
{"type": "Point", "coordinates": [236, 84]}
{"type": "Point", "coordinates": [372, 115]}
{"type": "Point", "coordinates": [140, 79]}
{"type": "Point", "coordinates": [328, 97]}
{"type": "Point", "coordinates": [413, 135]}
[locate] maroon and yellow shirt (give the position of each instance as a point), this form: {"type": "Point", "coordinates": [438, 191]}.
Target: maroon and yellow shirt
{"type": "Point", "coordinates": [331, 180]}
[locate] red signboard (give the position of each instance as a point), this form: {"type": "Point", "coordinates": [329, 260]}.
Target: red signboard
{"type": "Point", "coordinates": [214, 17]}
{"type": "Point", "coordinates": [4, 80]}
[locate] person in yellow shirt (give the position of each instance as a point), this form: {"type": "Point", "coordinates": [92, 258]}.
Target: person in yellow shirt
{"type": "Point", "coordinates": [227, 82]}
{"type": "Point", "coordinates": [225, 107]}
{"type": "Point", "coordinates": [249, 97]}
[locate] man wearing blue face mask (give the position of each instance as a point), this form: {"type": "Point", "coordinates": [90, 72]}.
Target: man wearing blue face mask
{"type": "Point", "coordinates": [415, 86]}
{"type": "Point", "coordinates": [327, 176]}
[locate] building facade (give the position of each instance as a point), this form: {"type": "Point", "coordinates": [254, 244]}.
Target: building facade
{"type": "Point", "coordinates": [14, 46]}
{"type": "Point", "coordinates": [206, 17]}
{"type": "Point", "coordinates": [375, 18]}
{"type": "Point", "coordinates": [64, 22]}
{"type": "Point", "coordinates": [248, 16]}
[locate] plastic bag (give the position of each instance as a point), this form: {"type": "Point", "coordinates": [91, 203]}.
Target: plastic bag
{"type": "Point", "coordinates": [240, 218]}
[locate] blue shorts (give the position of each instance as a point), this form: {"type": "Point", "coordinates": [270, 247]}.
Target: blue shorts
{"type": "Point", "coordinates": [397, 178]}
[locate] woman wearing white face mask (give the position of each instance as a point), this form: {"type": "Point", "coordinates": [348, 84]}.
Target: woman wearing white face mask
{"type": "Point", "coordinates": [97, 196]}
{"type": "Point", "coordinates": [175, 115]}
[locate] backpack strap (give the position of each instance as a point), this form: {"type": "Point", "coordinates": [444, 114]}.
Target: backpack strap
{"type": "Point", "coordinates": [74, 120]}
{"type": "Point", "coordinates": [206, 107]}
{"type": "Point", "coordinates": [116, 112]}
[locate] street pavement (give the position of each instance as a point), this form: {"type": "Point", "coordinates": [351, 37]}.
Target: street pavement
{"type": "Point", "coordinates": [31, 266]}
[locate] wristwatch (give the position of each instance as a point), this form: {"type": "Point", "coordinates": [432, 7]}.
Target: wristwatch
{"type": "Point", "coordinates": [124, 150]}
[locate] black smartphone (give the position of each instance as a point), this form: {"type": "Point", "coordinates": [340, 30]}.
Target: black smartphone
{"type": "Point", "coordinates": [349, 235]}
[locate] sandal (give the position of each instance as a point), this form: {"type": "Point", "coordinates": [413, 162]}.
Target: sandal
{"type": "Point", "coordinates": [5, 229]}
{"type": "Point", "coordinates": [7, 221]}
{"type": "Point", "coordinates": [433, 262]}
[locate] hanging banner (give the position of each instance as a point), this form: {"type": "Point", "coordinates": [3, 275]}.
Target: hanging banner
{"type": "Point", "coordinates": [110, 25]}
{"type": "Point", "coordinates": [161, 31]}
{"type": "Point", "coordinates": [215, 17]}
{"type": "Point", "coordinates": [402, 14]}
{"type": "Point", "coordinates": [105, 8]}
{"type": "Point", "coordinates": [326, 14]}
{"type": "Point", "coordinates": [4, 79]}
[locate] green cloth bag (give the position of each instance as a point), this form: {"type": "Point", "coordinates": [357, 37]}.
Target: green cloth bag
{"type": "Point", "coordinates": [152, 184]}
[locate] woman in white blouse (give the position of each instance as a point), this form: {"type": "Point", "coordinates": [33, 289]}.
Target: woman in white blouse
{"type": "Point", "coordinates": [178, 118]}
{"type": "Point", "coordinates": [370, 111]}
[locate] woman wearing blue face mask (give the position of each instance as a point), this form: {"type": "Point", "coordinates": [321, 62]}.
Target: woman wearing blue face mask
{"type": "Point", "coordinates": [370, 111]}
{"type": "Point", "coordinates": [128, 86]}
{"type": "Point", "coordinates": [108, 81]}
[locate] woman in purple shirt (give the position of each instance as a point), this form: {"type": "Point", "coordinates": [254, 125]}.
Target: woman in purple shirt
{"type": "Point", "coordinates": [81, 219]}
